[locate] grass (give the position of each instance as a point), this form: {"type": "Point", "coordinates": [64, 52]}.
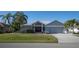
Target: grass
{"type": "Point", "coordinates": [27, 38]}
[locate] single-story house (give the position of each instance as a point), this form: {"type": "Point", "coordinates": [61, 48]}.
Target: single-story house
{"type": "Point", "coordinates": [4, 27]}
{"type": "Point", "coordinates": [53, 27]}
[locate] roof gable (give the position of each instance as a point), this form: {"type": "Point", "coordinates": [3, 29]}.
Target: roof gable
{"type": "Point", "coordinates": [37, 23]}
{"type": "Point", "coordinates": [55, 23]}
{"type": "Point", "coordinates": [3, 25]}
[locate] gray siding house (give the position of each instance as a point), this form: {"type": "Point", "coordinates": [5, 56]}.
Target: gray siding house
{"type": "Point", "coordinates": [53, 27]}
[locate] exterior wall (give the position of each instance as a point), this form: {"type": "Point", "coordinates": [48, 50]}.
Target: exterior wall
{"type": "Point", "coordinates": [46, 29]}
{"type": "Point", "coordinates": [75, 30]}
{"type": "Point", "coordinates": [25, 28]}
{"type": "Point", "coordinates": [37, 25]}
{"type": "Point", "coordinates": [54, 29]}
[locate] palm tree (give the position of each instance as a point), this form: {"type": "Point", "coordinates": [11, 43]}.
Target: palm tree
{"type": "Point", "coordinates": [71, 23]}
{"type": "Point", "coordinates": [19, 19]}
{"type": "Point", "coordinates": [6, 18]}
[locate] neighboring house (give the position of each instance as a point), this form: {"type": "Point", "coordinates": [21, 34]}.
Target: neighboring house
{"type": "Point", "coordinates": [73, 30]}
{"type": "Point", "coordinates": [70, 30]}
{"type": "Point", "coordinates": [53, 27]}
{"type": "Point", "coordinates": [4, 27]}
{"type": "Point", "coordinates": [76, 30]}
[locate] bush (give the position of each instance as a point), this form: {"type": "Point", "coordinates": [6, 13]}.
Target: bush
{"type": "Point", "coordinates": [23, 31]}
{"type": "Point", "coordinates": [75, 33]}
{"type": "Point", "coordinates": [30, 31]}
{"type": "Point", "coordinates": [1, 31]}
{"type": "Point", "coordinates": [8, 31]}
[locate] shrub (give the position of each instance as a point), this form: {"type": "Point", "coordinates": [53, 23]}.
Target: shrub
{"type": "Point", "coordinates": [30, 31]}
{"type": "Point", "coordinates": [1, 31]}
{"type": "Point", "coordinates": [23, 31]}
{"type": "Point", "coordinates": [8, 31]}
{"type": "Point", "coordinates": [75, 33]}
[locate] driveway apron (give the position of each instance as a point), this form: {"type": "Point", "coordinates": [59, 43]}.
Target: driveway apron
{"type": "Point", "coordinates": [67, 38]}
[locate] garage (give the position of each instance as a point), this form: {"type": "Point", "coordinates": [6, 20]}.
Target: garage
{"type": "Point", "coordinates": [54, 27]}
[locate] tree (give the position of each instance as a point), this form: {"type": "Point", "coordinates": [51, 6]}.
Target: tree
{"type": "Point", "coordinates": [71, 23]}
{"type": "Point", "coordinates": [19, 19]}
{"type": "Point", "coordinates": [15, 21]}
{"type": "Point", "coordinates": [6, 18]}
{"type": "Point", "coordinates": [15, 26]}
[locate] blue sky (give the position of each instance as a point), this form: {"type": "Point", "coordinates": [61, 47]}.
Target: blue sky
{"type": "Point", "coordinates": [47, 16]}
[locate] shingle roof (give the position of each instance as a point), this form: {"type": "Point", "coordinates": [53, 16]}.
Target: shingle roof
{"type": "Point", "coordinates": [55, 23]}
{"type": "Point", "coordinates": [3, 25]}
{"type": "Point", "coordinates": [38, 22]}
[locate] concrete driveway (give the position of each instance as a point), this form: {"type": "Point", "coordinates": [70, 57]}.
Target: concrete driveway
{"type": "Point", "coordinates": [67, 38]}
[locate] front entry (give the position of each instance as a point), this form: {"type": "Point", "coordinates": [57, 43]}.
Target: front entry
{"type": "Point", "coordinates": [38, 29]}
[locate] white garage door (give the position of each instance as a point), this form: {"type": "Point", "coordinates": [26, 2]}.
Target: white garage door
{"type": "Point", "coordinates": [55, 29]}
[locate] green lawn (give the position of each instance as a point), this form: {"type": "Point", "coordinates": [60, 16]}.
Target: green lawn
{"type": "Point", "coordinates": [27, 38]}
